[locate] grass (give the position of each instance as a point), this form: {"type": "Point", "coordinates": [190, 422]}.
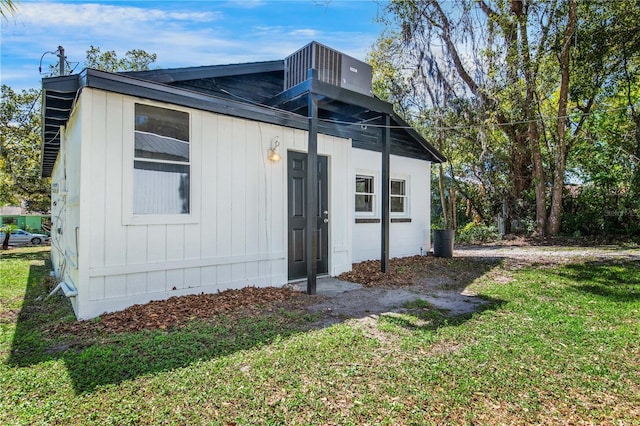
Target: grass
{"type": "Point", "coordinates": [560, 345]}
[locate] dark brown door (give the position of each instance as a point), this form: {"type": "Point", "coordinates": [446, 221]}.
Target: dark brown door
{"type": "Point", "coordinates": [297, 188]}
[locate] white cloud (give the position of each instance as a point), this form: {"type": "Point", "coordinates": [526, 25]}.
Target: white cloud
{"type": "Point", "coordinates": [45, 14]}
{"type": "Point", "coordinates": [247, 4]}
{"type": "Point", "coordinates": [304, 32]}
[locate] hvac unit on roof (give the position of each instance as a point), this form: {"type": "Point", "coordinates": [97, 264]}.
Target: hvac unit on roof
{"type": "Point", "coordinates": [333, 67]}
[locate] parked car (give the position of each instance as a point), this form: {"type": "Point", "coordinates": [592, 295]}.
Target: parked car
{"type": "Point", "coordinates": [20, 236]}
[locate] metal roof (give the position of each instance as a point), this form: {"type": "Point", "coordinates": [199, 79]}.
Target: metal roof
{"type": "Point", "coordinates": [165, 147]}
{"type": "Point", "coordinates": [251, 90]}
{"type": "Point", "coordinates": [171, 75]}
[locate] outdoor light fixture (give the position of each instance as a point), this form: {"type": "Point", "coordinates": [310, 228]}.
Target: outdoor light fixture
{"type": "Point", "coordinates": [273, 153]}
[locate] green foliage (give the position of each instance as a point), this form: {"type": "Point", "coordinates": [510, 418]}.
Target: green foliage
{"type": "Point", "coordinates": [591, 210]}
{"type": "Point", "coordinates": [7, 8]}
{"type": "Point", "coordinates": [134, 60]}
{"type": "Point", "coordinates": [7, 234]}
{"type": "Point", "coordinates": [20, 125]}
{"type": "Point", "coordinates": [476, 233]}
{"type": "Point", "coordinates": [482, 80]}
{"type": "Point", "coordinates": [605, 162]}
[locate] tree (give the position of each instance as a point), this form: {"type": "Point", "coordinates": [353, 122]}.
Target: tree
{"type": "Point", "coordinates": [471, 184]}
{"type": "Point", "coordinates": [134, 60]}
{"type": "Point", "coordinates": [606, 159]}
{"type": "Point", "coordinates": [20, 122]}
{"type": "Point", "coordinates": [7, 229]}
{"type": "Point", "coordinates": [519, 64]}
{"type": "Point", "coordinates": [7, 8]}
{"type": "Point", "coordinates": [20, 133]}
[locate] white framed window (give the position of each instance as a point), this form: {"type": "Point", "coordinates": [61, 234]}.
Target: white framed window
{"type": "Point", "coordinates": [161, 161]}
{"type": "Point", "coordinates": [398, 201]}
{"type": "Point", "coordinates": [365, 194]}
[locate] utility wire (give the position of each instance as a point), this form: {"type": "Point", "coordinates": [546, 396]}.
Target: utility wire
{"type": "Point", "coordinates": [439, 128]}
{"type": "Point", "coordinates": [541, 119]}
{"type": "Point", "coordinates": [382, 126]}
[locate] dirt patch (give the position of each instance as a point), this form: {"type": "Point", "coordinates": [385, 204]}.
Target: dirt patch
{"type": "Point", "coordinates": [514, 256]}
{"type": "Point", "coordinates": [444, 282]}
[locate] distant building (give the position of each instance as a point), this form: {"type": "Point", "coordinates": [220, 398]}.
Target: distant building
{"type": "Point", "coordinates": [17, 216]}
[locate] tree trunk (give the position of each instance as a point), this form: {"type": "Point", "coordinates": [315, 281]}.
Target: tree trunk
{"type": "Point", "coordinates": [539, 179]}
{"type": "Point", "coordinates": [555, 213]}
{"type": "Point", "coordinates": [635, 183]}
{"type": "Point", "coordinates": [533, 132]}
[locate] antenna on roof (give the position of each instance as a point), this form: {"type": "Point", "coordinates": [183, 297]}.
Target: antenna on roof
{"type": "Point", "coordinates": [60, 54]}
{"type": "Point", "coordinates": [62, 59]}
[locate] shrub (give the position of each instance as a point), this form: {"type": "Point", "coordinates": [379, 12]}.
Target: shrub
{"type": "Point", "coordinates": [475, 233]}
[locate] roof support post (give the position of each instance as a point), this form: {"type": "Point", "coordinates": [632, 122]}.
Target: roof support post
{"type": "Point", "coordinates": [311, 207]}
{"type": "Point", "coordinates": [386, 150]}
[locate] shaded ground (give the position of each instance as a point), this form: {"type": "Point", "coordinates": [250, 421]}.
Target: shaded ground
{"type": "Point", "coordinates": [441, 282]}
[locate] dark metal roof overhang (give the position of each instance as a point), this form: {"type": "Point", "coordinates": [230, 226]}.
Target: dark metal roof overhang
{"type": "Point", "coordinates": [58, 97]}
{"type": "Point", "coordinates": [342, 112]}
{"type": "Point", "coordinates": [359, 116]}
{"type": "Point", "coordinates": [345, 111]}
{"type": "Point", "coordinates": [171, 75]}
{"type": "Point", "coordinates": [59, 94]}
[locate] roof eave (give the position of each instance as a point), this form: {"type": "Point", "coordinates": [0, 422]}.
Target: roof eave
{"type": "Point", "coordinates": [173, 75]}
{"type": "Point", "coordinates": [64, 91]}
{"type": "Point", "coordinates": [67, 87]}
{"type": "Point", "coordinates": [438, 156]}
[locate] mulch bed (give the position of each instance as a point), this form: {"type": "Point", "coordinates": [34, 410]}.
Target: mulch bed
{"type": "Point", "coordinates": [402, 271]}
{"type": "Point", "coordinates": [177, 311]}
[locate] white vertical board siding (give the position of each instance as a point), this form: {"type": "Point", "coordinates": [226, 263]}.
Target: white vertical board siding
{"type": "Point", "coordinates": [222, 193]}
{"type": "Point", "coordinates": [58, 200]}
{"type": "Point", "coordinates": [405, 239]}
{"type": "Point", "coordinates": [236, 234]}
{"type": "Point", "coordinates": [340, 206]}
{"type": "Point", "coordinates": [66, 207]}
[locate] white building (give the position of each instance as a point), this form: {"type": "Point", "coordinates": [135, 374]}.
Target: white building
{"type": "Point", "coordinates": [168, 182]}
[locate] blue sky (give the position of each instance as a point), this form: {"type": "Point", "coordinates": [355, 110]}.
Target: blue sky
{"type": "Point", "coordinates": [181, 33]}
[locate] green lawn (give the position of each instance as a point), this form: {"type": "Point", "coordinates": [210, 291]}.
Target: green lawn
{"type": "Point", "coordinates": [558, 345]}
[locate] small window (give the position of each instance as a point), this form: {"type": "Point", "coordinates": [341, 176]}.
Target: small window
{"type": "Point", "coordinates": [161, 161]}
{"type": "Point", "coordinates": [398, 196]}
{"type": "Point", "coordinates": [364, 193]}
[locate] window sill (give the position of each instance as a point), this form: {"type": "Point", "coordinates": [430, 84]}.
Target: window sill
{"type": "Point", "coordinates": [367, 220]}
{"type": "Point", "coordinates": [376, 220]}
{"type": "Point", "coordinates": [152, 219]}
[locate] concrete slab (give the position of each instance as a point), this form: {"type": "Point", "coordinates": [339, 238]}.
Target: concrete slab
{"type": "Point", "coordinates": [325, 286]}
{"type": "Point", "coordinates": [343, 299]}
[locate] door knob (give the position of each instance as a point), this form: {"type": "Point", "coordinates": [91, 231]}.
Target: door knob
{"type": "Point", "coordinates": [326, 220]}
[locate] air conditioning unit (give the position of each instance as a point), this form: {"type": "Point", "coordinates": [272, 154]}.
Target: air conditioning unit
{"type": "Point", "coordinates": [333, 67]}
